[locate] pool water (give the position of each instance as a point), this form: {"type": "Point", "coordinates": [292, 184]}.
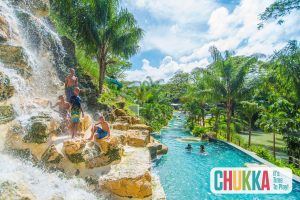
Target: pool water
{"type": "Point", "coordinates": [186, 175]}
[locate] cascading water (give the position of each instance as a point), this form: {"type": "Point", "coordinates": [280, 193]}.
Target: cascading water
{"type": "Point", "coordinates": [40, 45]}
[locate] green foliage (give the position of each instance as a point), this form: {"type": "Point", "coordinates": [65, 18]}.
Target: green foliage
{"type": "Point", "coordinates": [198, 131]}
{"type": "Point", "coordinates": [156, 115]}
{"type": "Point", "coordinates": [279, 9]}
{"type": "Point", "coordinates": [102, 29]}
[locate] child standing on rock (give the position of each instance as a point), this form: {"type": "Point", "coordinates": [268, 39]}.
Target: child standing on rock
{"type": "Point", "coordinates": [76, 109]}
{"type": "Point", "coordinates": [63, 109]}
{"type": "Point", "coordinates": [70, 83]}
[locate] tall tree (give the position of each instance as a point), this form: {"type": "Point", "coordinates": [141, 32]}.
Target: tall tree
{"type": "Point", "coordinates": [227, 80]}
{"type": "Point", "coordinates": [249, 109]}
{"type": "Point", "coordinates": [101, 28]}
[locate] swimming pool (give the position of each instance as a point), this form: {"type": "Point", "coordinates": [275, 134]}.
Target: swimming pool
{"type": "Point", "coordinates": [185, 175]}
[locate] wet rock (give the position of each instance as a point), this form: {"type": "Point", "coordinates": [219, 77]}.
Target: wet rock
{"type": "Point", "coordinates": [13, 190]}
{"type": "Point", "coordinates": [4, 29]}
{"type": "Point", "coordinates": [74, 150]}
{"type": "Point", "coordinates": [38, 7]}
{"type": "Point", "coordinates": [40, 129]}
{"type": "Point", "coordinates": [6, 89]}
{"type": "Point", "coordinates": [140, 127]}
{"type": "Point", "coordinates": [137, 138]}
{"type": "Point", "coordinates": [119, 112]}
{"type": "Point", "coordinates": [14, 57]}
{"type": "Point", "coordinates": [14, 143]}
{"type": "Point", "coordinates": [103, 152]}
{"type": "Point", "coordinates": [51, 155]}
{"type": "Point", "coordinates": [7, 114]}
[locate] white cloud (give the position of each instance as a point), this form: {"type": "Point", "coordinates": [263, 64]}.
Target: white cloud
{"type": "Point", "coordinates": [165, 71]}
{"type": "Point", "coordinates": [236, 30]}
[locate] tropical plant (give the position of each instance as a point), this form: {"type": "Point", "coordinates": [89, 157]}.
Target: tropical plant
{"type": "Point", "coordinates": [103, 30]}
{"type": "Point", "coordinates": [227, 76]}
{"type": "Point", "coordinates": [249, 109]}
{"type": "Point", "coordinates": [279, 9]}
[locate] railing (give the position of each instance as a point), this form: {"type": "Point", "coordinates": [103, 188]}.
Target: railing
{"type": "Point", "coordinates": [295, 161]}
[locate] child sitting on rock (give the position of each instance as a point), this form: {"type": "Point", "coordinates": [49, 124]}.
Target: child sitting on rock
{"type": "Point", "coordinates": [76, 109]}
{"type": "Point", "coordinates": [100, 132]}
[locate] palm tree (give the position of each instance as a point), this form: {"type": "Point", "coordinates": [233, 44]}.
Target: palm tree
{"type": "Point", "coordinates": [249, 109]}
{"type": "Point", "coordinates": [227, 75]}
{"type": "Point", "coordinates": [101, 28]}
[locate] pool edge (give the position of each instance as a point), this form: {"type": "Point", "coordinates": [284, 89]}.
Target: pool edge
{"type": "Point", "coordinates": [253, 155]}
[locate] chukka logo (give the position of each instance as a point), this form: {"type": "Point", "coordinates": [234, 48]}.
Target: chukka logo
{"type": "Point", "coordinates": [255, 180]}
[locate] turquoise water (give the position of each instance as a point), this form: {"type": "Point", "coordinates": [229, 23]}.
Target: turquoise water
{"type": "Point", "coordinates": [185, 175]}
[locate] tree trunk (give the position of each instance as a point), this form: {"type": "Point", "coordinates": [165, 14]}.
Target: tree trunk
{"type": "Point", "coordinates": [274, 139]}
{"type": "Point", "coordinates": [228, 120]}
{"type": "Point", "coordinates": [102, 68]}
{"type": "Point", "coordinates": [203, 118]}
{"type": "Point", "coordinates": [249, 140]}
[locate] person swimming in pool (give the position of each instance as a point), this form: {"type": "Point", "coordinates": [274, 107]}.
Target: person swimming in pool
{"type": "Point", "coordinates": [189, 147]}
{"type": "Point", "coordinates": [202, 150]}
{"type": "Point", "coordinates": [102, 131]}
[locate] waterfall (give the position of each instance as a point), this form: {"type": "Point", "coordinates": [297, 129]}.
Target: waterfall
{"type": "Point", "coordinates": [44, 53]}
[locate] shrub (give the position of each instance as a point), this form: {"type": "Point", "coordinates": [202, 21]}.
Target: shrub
{"type": "Point", "coordinates": [199, 130]}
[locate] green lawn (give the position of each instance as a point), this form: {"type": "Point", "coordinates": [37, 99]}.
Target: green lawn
{"type": "Point", "coordinates": [266, 140]}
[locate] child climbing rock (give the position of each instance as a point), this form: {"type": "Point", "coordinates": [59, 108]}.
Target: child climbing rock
{"type": "Point", "coordinates": [76, 108]}
{"type": "Point", "coordinates": [102, 131]}
{"type": "Point", "coordinates": [70, 83]}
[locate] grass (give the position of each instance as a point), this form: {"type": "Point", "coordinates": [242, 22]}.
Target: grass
{"type": "Point", "coordinates": [265, 140]}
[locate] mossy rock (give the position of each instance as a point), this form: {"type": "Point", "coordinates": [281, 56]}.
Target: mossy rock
{"type": "Point", "coordinates": [114, 153]}
{"type": "Point", "coordinates": [51, 155]}
{"type": "Point", "coordinates": [38, 131]}
{"type": "Point", "coordinates": [6, 89]}
{"type": "Point", "coordinates": [7, 114]}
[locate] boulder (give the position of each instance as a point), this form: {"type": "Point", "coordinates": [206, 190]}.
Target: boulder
{"type": "Point", "coordinates": [6, 89]}
{"type": "Point", "coordinates": [4, 29]}
{"type": "Point", "coordinates": [14, 143]}
{"type": "Point", "coordinates": [51, 155]}
{"type": "Point", "coordinates": [74, 150]}
{"type": "Point", "coordinates": [131, 177]}
{"type": "Point", "coordinates": [119, 112]}
{"type": "Point", "coordinates": [136, 120]}
{"type": "Point", "coordinates": [14, 57]}
{"type": "Point", "coordinates": [123, 126]}
{"type": "Point", "coordinates": [153, 148]}
{"type": "Point", "coordinates": [40, 129]}
{"type": "Point", "coordinates": [138, 187]}
{"type": "Point", "coordinates": [140, 127]}
{"type": "Point", "coordinates": [7, 114]}
{"type": "Point", "coordinates": [137, 138]}
{"type": "Point", "coordinates": [156, 148]}
{"type": "Point", "coordinates": [163, 150]}
{"type": "Point", "coordinates": [15, 190]}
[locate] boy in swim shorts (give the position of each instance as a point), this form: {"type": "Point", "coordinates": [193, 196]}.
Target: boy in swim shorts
{"type": "Point", "coordinates": [76, 109]}
{"type": "Point", "coordinates": [102, 131]}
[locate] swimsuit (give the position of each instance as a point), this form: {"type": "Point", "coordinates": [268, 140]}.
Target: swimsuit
{"type": "Point", "coordinates": [69, 92]}
{"type": "Point", "coordinates": [76, 106]}
{"type": "Point", "coordinates": [101, 133]}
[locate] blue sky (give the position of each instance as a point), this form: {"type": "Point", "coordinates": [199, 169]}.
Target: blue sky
{"type": "Point", "coordinates": [178, 33]}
